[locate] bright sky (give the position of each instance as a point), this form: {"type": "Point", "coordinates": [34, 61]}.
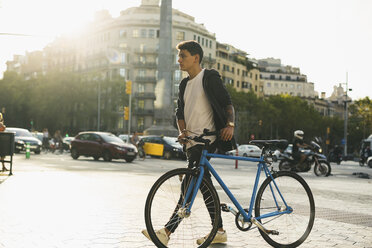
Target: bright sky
{"type": "Point", "coordinates": [324, 38]}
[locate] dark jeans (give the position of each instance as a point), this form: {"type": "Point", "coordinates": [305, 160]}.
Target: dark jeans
{"type": "Point", "coordinates": [193, 157]}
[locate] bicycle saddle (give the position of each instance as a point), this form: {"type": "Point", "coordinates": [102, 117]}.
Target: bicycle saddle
{"type": "Point", "coordinates": [280, 144]}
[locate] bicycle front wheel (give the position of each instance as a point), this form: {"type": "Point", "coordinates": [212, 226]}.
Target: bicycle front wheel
{"type": "Point", "coordinates": [163, 209]}
{"type": "Point", "coordinates": [293, 227]}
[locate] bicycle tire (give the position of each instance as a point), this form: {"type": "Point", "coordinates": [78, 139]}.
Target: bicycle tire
{"type": "Point", "coordinates": [294, 227]}
{"type": "Point", "coordinates": [322, 169]}
{"type": "Point", "coordinates": [163, 200]}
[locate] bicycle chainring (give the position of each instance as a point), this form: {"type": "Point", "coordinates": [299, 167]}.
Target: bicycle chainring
{"type": "Point", "coordinates": [241, 224]}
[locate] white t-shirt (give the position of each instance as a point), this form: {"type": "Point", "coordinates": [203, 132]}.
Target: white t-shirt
{"type": "Point", "coordinates": [198, 111]}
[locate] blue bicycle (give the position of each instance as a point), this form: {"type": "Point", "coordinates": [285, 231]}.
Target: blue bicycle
{"type": "Point", "coordinates": [187, 205]}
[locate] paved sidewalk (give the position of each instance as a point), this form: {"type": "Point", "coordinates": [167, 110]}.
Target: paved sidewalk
{"type": "Point", "coordinates": [95, 204]}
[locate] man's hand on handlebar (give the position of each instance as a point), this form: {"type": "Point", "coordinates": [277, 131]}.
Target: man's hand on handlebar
{"type": "Point", "coordinates": [182, 138]}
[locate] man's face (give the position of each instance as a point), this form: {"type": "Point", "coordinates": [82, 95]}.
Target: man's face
{"type": "Point", "coordinates": [187, 60]}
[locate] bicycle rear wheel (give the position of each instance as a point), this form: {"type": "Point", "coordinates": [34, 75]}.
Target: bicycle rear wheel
{"type": "Point", "coordinates": [293, 227]}
{"type": "Point", "coordinates": [163, 209]}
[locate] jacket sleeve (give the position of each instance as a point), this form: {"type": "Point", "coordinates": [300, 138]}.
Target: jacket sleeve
{"type": "Point", "coordinates": [220, 92]}
{"type": "Point", "coordinates": [180, 102]}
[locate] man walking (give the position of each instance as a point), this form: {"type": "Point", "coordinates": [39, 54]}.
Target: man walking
{"type": "Point", "coordinates": [203, 102]}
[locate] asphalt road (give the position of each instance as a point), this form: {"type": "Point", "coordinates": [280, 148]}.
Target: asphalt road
{"type": "Point", "coordinates": [55, 201]}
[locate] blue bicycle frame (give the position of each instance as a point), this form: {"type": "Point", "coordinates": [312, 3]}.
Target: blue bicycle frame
{"type": "Point", "coordinates": [193, 189]}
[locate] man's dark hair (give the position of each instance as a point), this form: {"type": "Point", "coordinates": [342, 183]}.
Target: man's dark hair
{"type": "Point", "coordinates": [192, 47]}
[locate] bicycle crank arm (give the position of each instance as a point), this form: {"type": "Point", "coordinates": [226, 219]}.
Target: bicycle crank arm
{"type": "Point", "coordinates": [226, 208]}
{"type": "Point", "coordinates": [262, 228]}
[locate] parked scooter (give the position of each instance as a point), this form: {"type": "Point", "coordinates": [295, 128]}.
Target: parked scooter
{"type": "Point", "coordinates": [313, 156]}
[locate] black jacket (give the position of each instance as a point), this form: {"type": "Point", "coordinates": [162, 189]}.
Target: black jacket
{"type": "Point", "coordinates": [218, 97]}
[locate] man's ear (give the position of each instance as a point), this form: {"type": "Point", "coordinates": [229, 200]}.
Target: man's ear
{"type": "Point", "coordinates": [197, 58]}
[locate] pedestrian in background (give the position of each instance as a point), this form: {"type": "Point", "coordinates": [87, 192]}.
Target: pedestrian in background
{"type": "Point", "coordinates": [2, 129]}
{"type": "Point", "coordinates": [134, 139]}
{"type": "Point", "coordinates": [45, 138]}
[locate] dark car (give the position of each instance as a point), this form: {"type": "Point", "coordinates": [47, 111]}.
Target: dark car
{"type": "Point", "coordinates": [102, 144]}
{"type": "Point", "coordinates": [22, 137]}
{"type": "Point", "coordinates": [163, 146]}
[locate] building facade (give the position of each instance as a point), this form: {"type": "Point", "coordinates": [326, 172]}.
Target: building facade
{"type": "Point", "coordinates": [278, 79]}
{"type": "Point", "coordinates": [236, 69]}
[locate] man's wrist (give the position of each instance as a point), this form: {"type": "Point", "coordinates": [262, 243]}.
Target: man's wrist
{"type": "Point", "coordinates": [230, 124]}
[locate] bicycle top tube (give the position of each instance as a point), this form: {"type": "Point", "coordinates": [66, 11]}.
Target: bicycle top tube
{"type": "Point", "coordinates": [215, 155]}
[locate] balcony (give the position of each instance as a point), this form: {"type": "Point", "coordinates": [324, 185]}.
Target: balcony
{"type": "Point", "coordinates": [146, 51]}
{"type": "Point", "coordinates": [145, 65]}
{"type": "Point", "coordinates": [146, 80]}
{"type": "Point", "coordinates": [145, 95]}
{"type": "Point", "coordinates": [140, 111]}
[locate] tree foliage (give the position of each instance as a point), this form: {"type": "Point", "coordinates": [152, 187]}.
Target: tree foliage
{"type": "Point", "coordinates": [64, 101]}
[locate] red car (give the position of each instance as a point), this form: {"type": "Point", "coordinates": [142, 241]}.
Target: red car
{"type": "Point", "coordinates": [102, 144]}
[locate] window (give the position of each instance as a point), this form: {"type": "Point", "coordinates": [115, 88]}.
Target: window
{"type": "Point", "coordinates": [238, 71]}
{"type": "Point", "coordinates": [135, 33]}
{"type": "Point", "coordinates": [122, 72]}
{"type": "Point", "coordinates": [141, 73]}
{"type": "Point", "coordinates": [140, 123]}
{"type": "Point", "coordinates": [287, 78]}
{"type": "Point", "coordinates": [142, 48]}
{"type": "Point", "coordinates": [122, 58]}
{"type": "Point", "coordinates": [142, 59]}
{"type": "Point", "coordinates": [198, 39]}
{"type": "Point", "coordinates": [256, 77]}
{"type": "Point", "coordinates": [157, 33]}
{"type": "Point", "coordinates": [218, 66]}
{"type": "Point", "coordinates": [151, 33]}
{"type": "Point", "coordinates": [143, 33]}
{"type": "Point", "coordinates": [194, 37]}
{"type": "Point", "coordinates": [232, 69]}
{"type": "Point", "coordinates": [202, 41]}
{"type": "Point", "coordinates": [210, 44]}
{"type": "Point", "coordinates": [272, 77]}
{"type": "Point", "coordinates": [180, 35]}
{"type": "Point", "coordinates": [123, 33]}
{"type": "Point", "coordinates": [141, 104]}
{"type": "Point", "coordinates": [237, 84]}
{"type": "Point", "coordinates": [177, 75]}
{"type": "Point", "coordinates": [141, 88]}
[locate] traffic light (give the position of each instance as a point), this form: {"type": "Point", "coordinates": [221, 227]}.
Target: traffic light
{"type": "Point", "coordinates": [126, 113]}
{"type": "Point", "coordinates": [128, 87]}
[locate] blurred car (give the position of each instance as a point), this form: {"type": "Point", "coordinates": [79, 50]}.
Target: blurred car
{"type": "Point", "coordinates": [163, 146]}
{"type": "Point", "coordinates": [125, 137]}
{"type": "Point", "coordinates": [66, 143]}
{"type": "Point", "coordinates": [102, 144]}
{"type": "Point", "coordinates": [38, 135]}
{"type": "Point", "coordinates": [23, 136]}
{"type": "Point", "coordinates": [247, 151]}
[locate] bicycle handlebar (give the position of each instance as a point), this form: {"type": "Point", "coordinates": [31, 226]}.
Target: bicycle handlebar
{"type": "Point", "coordinates": [199, 138]}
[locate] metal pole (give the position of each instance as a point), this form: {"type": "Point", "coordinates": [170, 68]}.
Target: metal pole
{"type": "Point", "coordinates": [130, 113]}
{"type": "Point", "coordinates": [99, 106]}
{"type": "Point", "coordinates": [345, 119]}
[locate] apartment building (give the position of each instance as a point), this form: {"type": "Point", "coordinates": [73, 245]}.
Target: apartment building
{"type": "Point", "coordinates": [126, 47]}
{"type": "Point", "coordinates": [237, 70]}
{"type": "Point", "coordinates": [279, 79]}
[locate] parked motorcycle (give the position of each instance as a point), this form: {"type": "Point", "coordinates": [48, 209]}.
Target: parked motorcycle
{"type": "Point", "coordinates": [313, 156]}
{"type": "Point", "coordinates": [335, 157]}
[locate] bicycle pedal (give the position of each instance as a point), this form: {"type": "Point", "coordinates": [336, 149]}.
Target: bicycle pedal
{"type": "Point", "coordinates": [273, 232]}
{"type": "Point", "coordinates": [224, 207]}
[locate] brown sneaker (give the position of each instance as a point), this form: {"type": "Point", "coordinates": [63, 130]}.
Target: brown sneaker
{"type": "Point", "coordinates": [219, 238]}
{"type": "Point", "coordinates": [161, 234]}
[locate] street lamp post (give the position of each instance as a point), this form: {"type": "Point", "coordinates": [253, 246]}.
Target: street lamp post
{"type": "Point", "coordinates": [346, 101]}
{"type": "Point", "coordinates": [99, 106]}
